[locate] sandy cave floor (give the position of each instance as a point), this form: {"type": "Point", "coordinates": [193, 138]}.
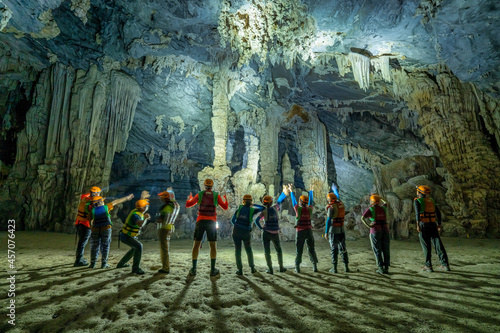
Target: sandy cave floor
{"type": "Point", "coordinates": [54, 296]}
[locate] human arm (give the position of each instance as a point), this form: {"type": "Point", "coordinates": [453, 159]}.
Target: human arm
{"type": "Point", "coordinates": [311, 199]}
{"type": "Point", "coordinates": [416, 204]}
{"type": "Point", "coordinates": [191, 201]}
{"type": "Point", "coordinates": [282, 197]}
{"type": "Point", "coordinates": [223, 204]}
{"type": "Point", "coordinates": [335, 190]}
{"type": "Point", "coordinates": [257, 221]}
{"type": "Point", "coordinates": [233, 219]}
{"type": "Point", "coordinates": [438, 219]}
{"type": "Point", "coordinates": [122, 200]}
{"type": "Point", "coordinates": [258, 208]}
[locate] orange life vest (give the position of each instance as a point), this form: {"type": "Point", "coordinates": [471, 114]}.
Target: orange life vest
{"type": "Point", "coordinates": [339, 220]}
{"type": "Point", "coordinates": [427, 209]}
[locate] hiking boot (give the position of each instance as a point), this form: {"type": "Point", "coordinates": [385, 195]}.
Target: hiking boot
{"type": "Point", "coordinates": [445, 268]}
{"type": "Point", "coordinates": [346, 268]}
{"type": "Point", "coordinates": [105, 266]}
{"type": "Point", "coordinates": [297, 268]}
{"type": "Point", "coordinates": [214, 272]}
{"type": "Point", "coordinates": [282, 269]}
{"type": "Point", "coordinates": [163, 271]}
{"type": "Point", "coordinates": [315, 267]}
{"type": "Point", "coordinates": [253, 270]}
{"type": "Point", "coordinates": [427, 269]}
{"type": "Point", "coordinates": [80, 264]}
{"type": "Point", "coordinates": [269, 270]}
{"type": "Point", "coordinates": [122, 266]}
{"type": "Point", "coordinates": [138, 271]}
{"type": "Point", "coordinates": [333, 270]}
{"type": "Point", "coordinates": [192, 272]}
{"type": "Point", "coordinates": [238, 272]}
{"type": "Point", "coordinates": [386, 270]}
{"type": "Point", "coordinates": [92, 265]}
{"type": "Point", "coordinates": [380, 270]}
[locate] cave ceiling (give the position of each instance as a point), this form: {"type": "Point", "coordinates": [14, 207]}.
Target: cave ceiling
{"type": "Point", "coordinates": [292, 57]}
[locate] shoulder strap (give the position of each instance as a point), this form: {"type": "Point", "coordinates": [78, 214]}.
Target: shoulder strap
{"type": "Point", "coordinates": [238, 211]}
{"type": "Point", "coordinates": [216, 200]}
{"type": "Point", "coordinates": [200, 197]}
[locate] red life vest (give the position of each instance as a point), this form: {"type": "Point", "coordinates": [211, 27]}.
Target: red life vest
{"type": "Point", "coordinates": [208, 202]}
{"type": "Point", "coordinates": [379, 215]}
{"type": "Point", "coordinates": [303, 218]}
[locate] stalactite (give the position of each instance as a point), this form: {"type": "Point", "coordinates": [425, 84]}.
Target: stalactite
{"type": "Point", "coordinates": [75, 125]}
{"type": "Point", "coordinates": [454, 108]}
{"type": "Point", "coordinates": [381, 64]}
{"type": "Point", "coordinates": [361, 69]}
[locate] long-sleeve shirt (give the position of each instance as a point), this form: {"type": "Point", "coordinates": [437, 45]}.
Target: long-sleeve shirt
{"type": "Point", "coordinates": [332, 212]}
{"type": "Point", "coordinates": [243, 220]}
{"type": "Point", "coordinates": [192, 201]}
{"type": "Point", "coordinates": [296, 208]}
{"type": "Point", "coordinates": [270, 227]}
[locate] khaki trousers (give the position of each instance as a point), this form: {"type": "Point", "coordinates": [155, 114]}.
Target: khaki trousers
{"type": "Point", "coordinates": [164, 235]}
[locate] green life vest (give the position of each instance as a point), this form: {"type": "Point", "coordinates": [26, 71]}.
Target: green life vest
{"type": "Point", "coordinates": [129, 228]}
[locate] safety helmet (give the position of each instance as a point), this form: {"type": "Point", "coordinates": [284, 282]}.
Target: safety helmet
{"type": "Point", "coordinates": [141, 203]}
{"type": "Point", "coordinates": [374, 199]}
{"type": "Point", "coordinates": [164, 195]}
{"type": "Point", "coordinates": [331, 197]}
{"type": "Point", "coordinates": [267, 199]}
{"type": "Point", "coordinates": [209, 182]}
{"type": "Point", "coordinates": [247, 197]}
{"type": "Point", "coordinates": [95, 189]}
{"type": "Point", "coordinates": [424, 189]}
{"type": "Point", "coordinates": [304, 198]}
{"type": "Point", "coordinates": [96, 198]}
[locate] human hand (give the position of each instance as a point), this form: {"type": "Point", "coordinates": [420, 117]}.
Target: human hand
{"type": "Point", "coordinates": [170, 188]}
{"type": "Point", "coordinates": [372, 224]}
{"type": "Point", "coordinates": [285, 190]}
{"type": "Point", "coordinates": [147, 216]}
{"type": "Point", "coordinates": [418, 227]}
{"type": "Point", "coordinates": [190, 195]}
{"type": "Point", "coordinates": [130, 197]}
{"type": "Point", "coordinates": [145, 195]}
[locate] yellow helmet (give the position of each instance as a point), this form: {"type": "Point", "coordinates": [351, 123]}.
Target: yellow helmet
{"type": "Point", "coordinates": [374, 199]}
{"type": "Point", "coordinates": [96, 198]}
{"type": "Point", "coordinates": [164, 195]}
{"type": "Point", "coordinates": [247, 197]}
{"type": "Point", "coordinates": [267, 199]}
{"type": "Point", "coordinates": [304, 198]}
{"type": "Point", "coordinates": [209, 182]}
{"type": "Point", "coordinates": [424, 189]}
{"type": "Point", "coordinates": [141, 203]}
{"type": "Point", "coordinates": [331, 197]}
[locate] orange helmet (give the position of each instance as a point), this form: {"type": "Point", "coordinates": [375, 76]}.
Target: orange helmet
{"type": "Point", "coordinates": [304, 198]}
{"type": "Point", "coordinates": [209, 182]}
{"type": "Point", "coordinates": [267, 199]}
{"type": "Point", "coordinates": [164, 195]}
{"type": "Point", "coordinates": [374, 199]}
{"type": "Point", "coordinates": [247, 197]}
{"type": "Point", "coordinates": [94, 190]}
{"type": "Point", "coordinates": [424, 189]}
{"type": "Point", "coordinates": [141, 203]}
{"type": "Point", "coordinates": [96, 198]}
{"type": "Point", "coordinates": [331, 197]}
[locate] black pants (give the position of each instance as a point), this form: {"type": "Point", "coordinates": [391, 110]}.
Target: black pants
{"type": "Point", "coordinates": [430, 235]}
{"type": "Point", "coordinates": [337, 244]}
{"type": "Point", "coordinates": [381, 247]}
{"type": "Point", "coordinates": [135, 250]}
{"type": "Point", "coordinates": [267, 238]}
{"type": "Point", "coordinates": [305, 236]}
{"type": "Point", "coordinates": [83, 238]}
{"type": "Point", "coordinates": [100, 239]}
{"type": "Point", "coordinates": [240, 235]}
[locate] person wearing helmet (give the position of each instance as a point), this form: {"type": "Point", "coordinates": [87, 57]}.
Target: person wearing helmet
{"type": "Point", "coordinates": [270, 230]}
{"type": "Point", "coordinates": [168, 214]}
{"type": "Point", "coordinates": [100, 237]}
{"type": "Point", "coordinates": [128, 235]}
{"type": "Point", "coordinates": [303, 227]}
{"type": "Point", "coordinates": [428, 217]}
{"type": "Point", "coordinates": [379, 232]}
{"type": "Point", "coordinates": [206, 223]}
{"type": "Point", "coordinates": [242, 228]}
{"type": "Point", "coordinates": [335, 232]}
{"type": "Point", "coordinates": [82, 224]}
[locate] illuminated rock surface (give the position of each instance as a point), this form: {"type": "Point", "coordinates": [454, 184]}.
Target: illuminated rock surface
{"type": "Point", "coordinates": [134, 95]}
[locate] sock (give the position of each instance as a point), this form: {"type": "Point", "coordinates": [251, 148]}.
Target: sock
{"type": "Point", "coordinates": [212, 263]}
{"type": "Point", "coordinates": [194, 263]}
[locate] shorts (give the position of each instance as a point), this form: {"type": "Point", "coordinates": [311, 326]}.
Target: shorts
{"type": "Point", "coordinates": [207, 226]}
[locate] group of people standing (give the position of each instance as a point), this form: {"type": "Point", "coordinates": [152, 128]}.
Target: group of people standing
{"type": "Point", "coordinates": [93, 210]}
